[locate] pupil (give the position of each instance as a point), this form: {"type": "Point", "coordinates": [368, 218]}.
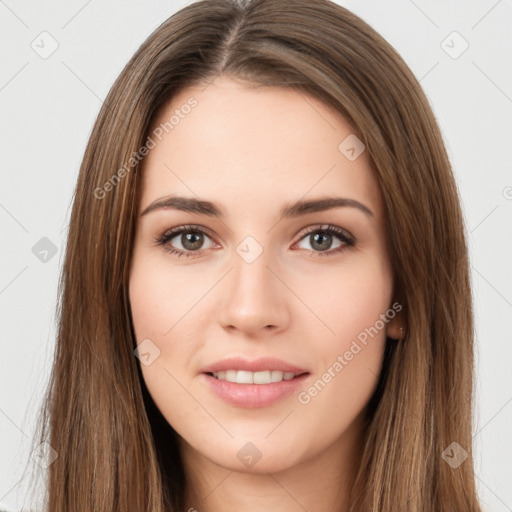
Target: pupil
{"type": "Point", "coordinates": [192, 241]}
{"type": "Point", "coordinates": [317, 239]}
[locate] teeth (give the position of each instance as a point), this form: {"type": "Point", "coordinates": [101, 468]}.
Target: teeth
{"type": "Point", "coordinates": [245, 377]}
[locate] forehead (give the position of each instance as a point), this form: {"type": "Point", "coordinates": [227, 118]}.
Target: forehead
{"type": "Point", "coordinates": [248, 145]}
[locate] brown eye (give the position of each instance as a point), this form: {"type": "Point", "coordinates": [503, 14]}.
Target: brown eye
{"type": "Point", "coordinates": [185, 240]}
{"type": "Point", "coordinates": [327, 240]}
{"type": "Point", "coordinates": [191, 241]}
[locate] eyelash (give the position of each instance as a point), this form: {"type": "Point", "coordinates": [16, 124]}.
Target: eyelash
{"type": "Point", "coordinates": [347, 239]}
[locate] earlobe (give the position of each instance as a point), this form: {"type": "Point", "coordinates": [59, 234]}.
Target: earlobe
{"type": "Point", "coordinates": [396, 329]}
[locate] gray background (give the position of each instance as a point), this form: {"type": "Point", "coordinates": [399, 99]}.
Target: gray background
{"type": "Point", "coordinates": [48, 106]}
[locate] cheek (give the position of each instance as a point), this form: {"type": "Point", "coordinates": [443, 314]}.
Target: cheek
{"type": "Point", "coordinates": [348, 363]}
{"type": "Point", "coordinates": [166, 309]}
{"type": "Point", "coordinates": [156, 308]}
{"type": "Point", "coordinates": [353, 305]}
{"type": "Point", "coordinates": [348, 300]}
{"type": "Point", "coordinates": [156, 298]}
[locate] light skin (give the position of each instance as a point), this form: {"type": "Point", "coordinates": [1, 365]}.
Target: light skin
{"type": "Point", "coordinates": [252, 151]}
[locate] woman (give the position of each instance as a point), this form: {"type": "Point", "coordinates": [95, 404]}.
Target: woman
{"type": "Point", "coordinates": [265, 297]}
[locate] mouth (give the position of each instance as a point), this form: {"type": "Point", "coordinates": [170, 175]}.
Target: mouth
{"type": "Point", "coordinates": [255, 383]}
{"type": "Point", "coordinates": [260, 377]}
{"type": "Point", "coordinates": [250, 395]}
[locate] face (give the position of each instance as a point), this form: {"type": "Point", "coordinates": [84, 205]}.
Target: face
{"type": "Point", "coordinates": [261, 313]}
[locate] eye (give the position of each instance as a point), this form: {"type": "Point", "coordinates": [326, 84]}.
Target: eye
{"type": "Point", "coordinates": [189, 240]}
{"type": "Point", "coordinates": [184, 240]}
{"type": "Point", "coordinates": [322, 240]}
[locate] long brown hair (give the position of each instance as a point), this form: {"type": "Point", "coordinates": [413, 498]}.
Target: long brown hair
{"type": "Point", "coordinates": [115, 450]}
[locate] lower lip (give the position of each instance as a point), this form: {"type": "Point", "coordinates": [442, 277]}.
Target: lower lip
{"type": "Point", "coordinates": [254, 395]}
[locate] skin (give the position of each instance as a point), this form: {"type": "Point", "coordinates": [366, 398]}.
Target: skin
{"type": "Point", "coordinates": [251, 151]}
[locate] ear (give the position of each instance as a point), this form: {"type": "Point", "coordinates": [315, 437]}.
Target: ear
{"type": "Point", "coordinates": [393, 328]}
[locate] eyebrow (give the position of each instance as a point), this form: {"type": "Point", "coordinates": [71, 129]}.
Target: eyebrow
{"type": "Point", "coordinates": [296, 209]}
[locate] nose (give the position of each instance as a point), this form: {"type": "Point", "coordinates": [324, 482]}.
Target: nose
{"type": "Point", "coordinates": [254, 299]}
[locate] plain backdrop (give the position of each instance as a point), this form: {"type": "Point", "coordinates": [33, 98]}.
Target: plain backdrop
{"type": "Point", "coordinates": [460, 51]}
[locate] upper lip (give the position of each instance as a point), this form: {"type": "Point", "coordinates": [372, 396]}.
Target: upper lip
{"type": "Point", "coordinates": [258, 365]}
